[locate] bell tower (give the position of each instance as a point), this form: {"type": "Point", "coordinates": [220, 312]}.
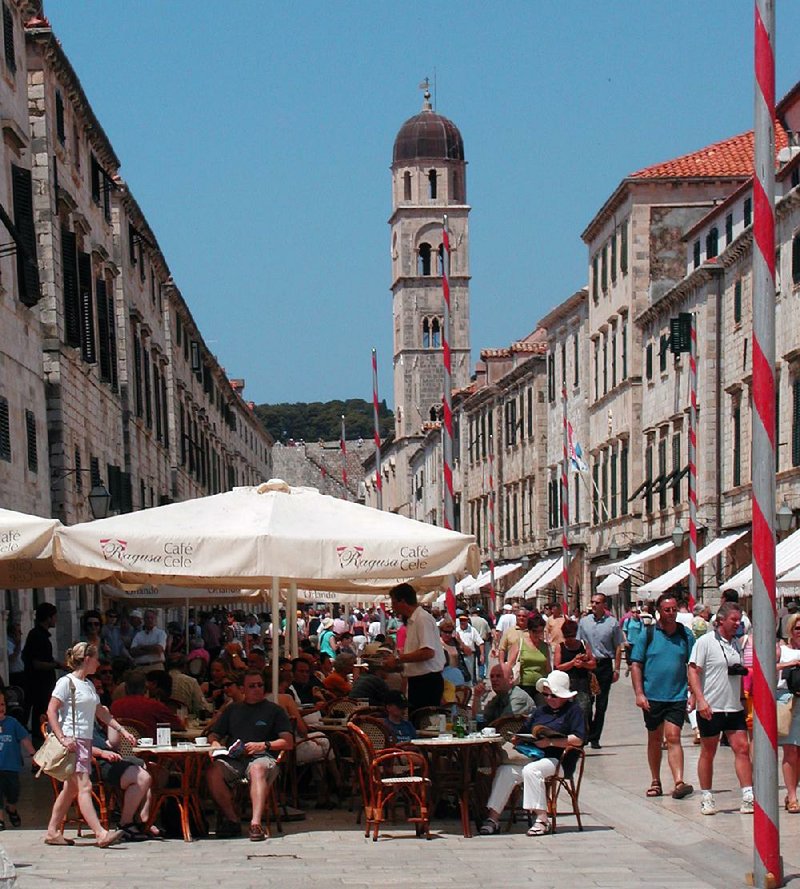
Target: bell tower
{"type": "Point", "coordinates": [428, 181]}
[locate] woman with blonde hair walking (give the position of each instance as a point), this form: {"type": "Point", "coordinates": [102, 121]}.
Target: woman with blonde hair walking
{"type": "Point", "coordinates": [71, 713]}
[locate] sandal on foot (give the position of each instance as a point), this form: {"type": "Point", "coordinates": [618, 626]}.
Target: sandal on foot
{"type": "Point", "coordinates": [654, 789]}
{"type": "Point", "coordinates": [793, 806]}
{"type": "Point", "coordinates": [489, 828]}
{"type": "Point", "coordinates": [538, 829]}
{"type": "Point", "coordinates": [111, 837]}
{"type": "Point", "coordinates": [13, 817]}
{"type": "Point", "coordinates": [682, 790]}
{"type": "Point", "coordinates": [58, 840]}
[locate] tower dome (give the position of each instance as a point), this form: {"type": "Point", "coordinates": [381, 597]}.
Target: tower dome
{"type": "Point", "coordinates": [428, 136]}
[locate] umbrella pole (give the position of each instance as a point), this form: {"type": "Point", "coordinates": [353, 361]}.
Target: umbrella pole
{"type": "Point", "coordinates": [293, 623]}
{"type": "Point", "coordinates": [186, 625]}
{"type": "Point", "coordinates": [276, 634]}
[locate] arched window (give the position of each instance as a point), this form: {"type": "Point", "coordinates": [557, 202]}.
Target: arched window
{"type": "Point", "coordinates": [424, 259]}
{"type": "Point", "coordinates": [432, 185]}
{"type": "Point", "coordinates": [436, 333]}
{"type": "Point", "coordinates": [440, 260]}
{"type": "Point", "coordinates": [426, 333]}
{"type": "Point", "coordinates": [406, 186]}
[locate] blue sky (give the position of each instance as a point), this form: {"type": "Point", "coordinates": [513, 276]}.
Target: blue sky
{"type": "Point", "coordinates": [257, 138]}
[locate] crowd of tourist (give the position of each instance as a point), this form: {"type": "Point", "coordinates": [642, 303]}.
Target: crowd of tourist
{"type": "Point", "coordinates": [555, 669]}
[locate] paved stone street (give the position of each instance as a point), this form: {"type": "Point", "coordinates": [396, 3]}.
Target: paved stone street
{"type": "Point", "coordinates": [628, 841]}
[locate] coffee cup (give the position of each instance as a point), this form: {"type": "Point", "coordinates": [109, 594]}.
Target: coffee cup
{"type": "Point", "coordinates": [201, 742]}
{"type": "Point", "coordinates": [144, 742]}
{"type": "Point", "coordinates": [488, 732]}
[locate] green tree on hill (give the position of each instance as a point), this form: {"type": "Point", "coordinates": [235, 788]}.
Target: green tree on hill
{"type": "Point", "coordinates": [319, 420]}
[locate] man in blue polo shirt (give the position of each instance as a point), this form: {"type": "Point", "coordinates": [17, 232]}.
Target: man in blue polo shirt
{"type": "Point", "coordinates": [658, 671]}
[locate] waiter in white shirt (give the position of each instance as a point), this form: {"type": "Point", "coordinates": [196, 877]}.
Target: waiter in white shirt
{"type": "Point", "coordinates": [423, 657]}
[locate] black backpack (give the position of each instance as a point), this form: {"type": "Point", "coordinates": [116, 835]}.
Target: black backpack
{"type": "Point", "coordinates": [792, 678]}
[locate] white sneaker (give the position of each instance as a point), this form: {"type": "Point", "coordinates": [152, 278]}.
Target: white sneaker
{"type": "Point", "coordinates": [707, 805]}
{"type": "Point", "coordinates": [748, 806]}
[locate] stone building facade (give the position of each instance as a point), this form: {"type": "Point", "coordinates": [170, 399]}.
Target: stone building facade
{"type": "Point", "coordinates": [106, 378]}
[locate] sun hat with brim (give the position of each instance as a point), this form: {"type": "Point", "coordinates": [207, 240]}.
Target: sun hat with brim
{"type": "Point", "coordinates": [327, 623]}
{"type": "Point", "coordinates": [507, 606]}
{"type": "Point", "coordinates": [557, 683]}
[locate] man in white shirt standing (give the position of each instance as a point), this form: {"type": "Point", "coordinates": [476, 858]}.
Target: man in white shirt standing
{"type": "Point", "coordinates": [715, 681]}
{"type": "Point", "coordinates": [423, 656]}
{"type": "Point", "coordinates": [471, 644]}
{"type": "Point", "coordinates": [149, 644]}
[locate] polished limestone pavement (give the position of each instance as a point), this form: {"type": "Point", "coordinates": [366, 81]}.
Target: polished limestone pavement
{"type": "Point", "coordinates": [628, 841]}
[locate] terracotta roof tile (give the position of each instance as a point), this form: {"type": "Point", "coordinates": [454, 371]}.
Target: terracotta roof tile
{"type": "Point", "coordinates": [730, 157]}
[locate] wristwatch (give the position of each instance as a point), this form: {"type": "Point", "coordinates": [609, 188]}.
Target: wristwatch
{"type": "Point", "coordinates": [267, 746]}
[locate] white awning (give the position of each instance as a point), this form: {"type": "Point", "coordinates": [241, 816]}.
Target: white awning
{"type": "Point", "coordinates": [529, 578]}
{"type": "Point", "coordinates": [553, 572]}
{"type": "Point", "coordinates": [680, 572]}
{"type": "Point", "coordinates": [619, 572]}
{"type": "Point", "coordinates": [787, 557]}
{"type": "Point", "coordinates": [470, 585]}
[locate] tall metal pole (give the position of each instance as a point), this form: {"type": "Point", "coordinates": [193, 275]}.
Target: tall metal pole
{"type": "Point", "coordinates": [447, 400]}
{"type": "Point", "coordinates": [343, 448]}
{"type": "Point", "coordinates": [693, 463]}
{"type": "Point", "coordinates": [376, 422]}
{"type": "Point", "coordinates": [565, 501]}
{"type": "Point", "coordinates": [767, 864]}
{"type": "Point", "coordinates": [492, 528]}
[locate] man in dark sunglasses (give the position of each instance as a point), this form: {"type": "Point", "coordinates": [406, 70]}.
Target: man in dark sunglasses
{"type": "Point", "coordinates": [245, 743]}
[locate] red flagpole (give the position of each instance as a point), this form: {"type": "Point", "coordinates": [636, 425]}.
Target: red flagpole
{"type": "Point", "coordinates": [447, 400]}
{"type": "Point", "coordinates": [492, 528]}
{"type": "Point", "coordinates": [565, 503]}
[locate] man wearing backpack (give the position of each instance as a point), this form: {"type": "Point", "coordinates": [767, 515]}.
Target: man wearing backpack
{"type": "Point", "coordinates": [659, 660]}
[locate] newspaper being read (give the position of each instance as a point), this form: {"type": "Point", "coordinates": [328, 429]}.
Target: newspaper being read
{"type": "Point", "coordinates": [236, 749]}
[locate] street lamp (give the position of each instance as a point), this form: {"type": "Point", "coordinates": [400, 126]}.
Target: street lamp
{"type": "Point", "coordinates": [99, 501]}
{"type": "Point", "coordinates": [677, 536]}
{"type": "Point", "coordinates": [613, 549]}
{"type": "Point", "coordinates": [784, 516]}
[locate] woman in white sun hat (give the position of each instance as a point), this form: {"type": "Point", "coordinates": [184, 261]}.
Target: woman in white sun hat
{"type": "Point", "coordinates": [561, 716]}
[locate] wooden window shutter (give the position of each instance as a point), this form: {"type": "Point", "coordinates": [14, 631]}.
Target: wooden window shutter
{"type": "Point", "coordinates": [115, 486]}
{"type": "Point", "coordinates": [8, 39]}
{"type": "Point", "coordinates": [78, 472]}
{"type": "Point", "coordinates": [148, 394]}
{"type": "Point", "coordinates": [157, 399]}
{"type": "Point", "coordinates": [183, 436]}
{"type": "Point", "coordinates": [30, 428]}
{"type": "Point", "coordinates": [623, 247]}
{"type": "Point", "coordinates": [94, 472]}
{"type": "Point", "coordinates": [27, 268]}
{"type": "Point", "coordinates": [164, 410]}
{"type": "Point", "coordinates": [137, 375]}
{"type": "Point", "coordinates": [737, 301]}
{"type": "Point", "coordinates": [88, 345]}
{"type": "Point", "coordinates": [126, 492]}
{"type": "Point", "coordinates": [103, 331]}
{"type": "Point", "coordinates": [5, 431]}
{"type": "Point", "coordinates": [112, 336]}
{"type": "Point", "coordinates": [62, 136]}
{"type": "Point", "coordinates": [796, 259]}
{"type": "Point", "coordinates": [69, 266]}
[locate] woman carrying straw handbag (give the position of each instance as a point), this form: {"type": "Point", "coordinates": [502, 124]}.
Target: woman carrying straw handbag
{"type": "Point", "coordinates": [71, 713]}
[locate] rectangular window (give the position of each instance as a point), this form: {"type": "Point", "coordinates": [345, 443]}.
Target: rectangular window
{"type": "Point", "coordinates": [96, 176]}
{"type": "Point", "coordinates": [551, 377]}
{"type": "Point", "coordinates": [8, 39]}
{"type": "Point", "coordinates": [157, 399]}
{"type": "Point", "coordinates": [662, 473]}
{"type": "Point", "coordinates": [595, 492]}
{"type": "Point", "coordinates": [648, 479]}
{"type": "Point", "coordinates": [676, 467]}
{"type": "Point", "coordinates": [69, 270]}
{"type": "Point", "coordinates": [796, 259]}
{"type": "Point", "coordinates": [60, 131]}
{"type": "Point", "coordinates": [712, 243]}
{"type": "Point", "coordinates": [596, 369]}
{"type": "Point", "coordinates": [604, 488]}
{"type": "Point", "coordinates": [728, 229]}
{"type": "Point", "coordinates": [623, 479]}
{"type": "Point", "coordinates": [605, 363]}
{"type": "Point", "coordinates": [86, 305]}
{"type": "Point", "coordinates": [5, 431]}
{"type": "Point", "coordinates": [595, 277]}
{"type": "Point", "coordinates": [623, 248]}
{"type": "Point", "coordinates": [576, 360]}
{"type": "Point", "coordinates": [95, 478]}
{"type": "Point", "coordinates": [604, 268]}
{"type": "Point", "coordinates": [614, 257]}
{"type": "Point", "coordinates": [564, 364]}
{"type": "Point", "coordinates": [197, 364]}
{"type": "Point", "coordinates": [30, 429]}
{"type": "Point", "coordinates": [796, 423]}
{"type": "Point", "coordinates": [107, 330]}
{"type": "Point", "coordinates": [148, 393]}
{"type": "Point", "coordinates": [696, 255]}
{"type": "Point", "coordinates": [624, 338]}
{"type": "Point", "coordinates": [613, 484]}
{"type": "Point", "coordinates": [648, 361]}
{"type": "Point", "coordinates": [737, 444]}
{"type": "Point", "coordinates": [530, 411]}
{"type": "Point", "coordinates": [183, 436]}
{"type": "Point", "coordinates": [663, 350]}
{"type": "Point", "coordinates": [27, 267]}
{"type": "Point", "coordinates": [748, 211]}
{"type": "Point", "coordinates": [613, 359]}
{"type": "Point", "coordinates": [78, 471]}
{"type": "Point", "coordinates": [737, 301]}
{"type": "Point", "coordinates": [137, 376]}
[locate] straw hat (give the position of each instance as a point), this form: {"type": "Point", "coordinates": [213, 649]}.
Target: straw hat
{"type": "Point", "coordinates": [558, 683]}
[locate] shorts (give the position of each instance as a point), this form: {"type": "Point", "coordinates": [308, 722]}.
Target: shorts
{"type": "Point", "coordinates": [721, 722]}
{"type": "Point", "coordinates": [83, 755]}
{"type": "Point", "coordinates": [112, 772]}
{"type": "Point", "coordinates": [664, 711]}
{"type": "Point", "coordinates": [237, 769]}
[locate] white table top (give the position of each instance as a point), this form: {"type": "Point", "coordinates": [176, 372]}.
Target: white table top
{"type": "Point", "coordinates": [450, 742]}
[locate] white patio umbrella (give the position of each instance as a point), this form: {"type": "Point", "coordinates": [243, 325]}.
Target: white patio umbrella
{"type": "Point", "coordinates": [267, 536]}
{"type": "Point", "coordinates": [26, 553]}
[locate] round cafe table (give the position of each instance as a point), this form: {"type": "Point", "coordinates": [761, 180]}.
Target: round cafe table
{"type": "Point", "coordinates": [187, 761]}
{"type": "Point", "coordinates": [464, 753]}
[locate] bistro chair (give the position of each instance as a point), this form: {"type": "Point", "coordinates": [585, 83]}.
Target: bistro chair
{"type": "Point", "coordinates": [386, 774]}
